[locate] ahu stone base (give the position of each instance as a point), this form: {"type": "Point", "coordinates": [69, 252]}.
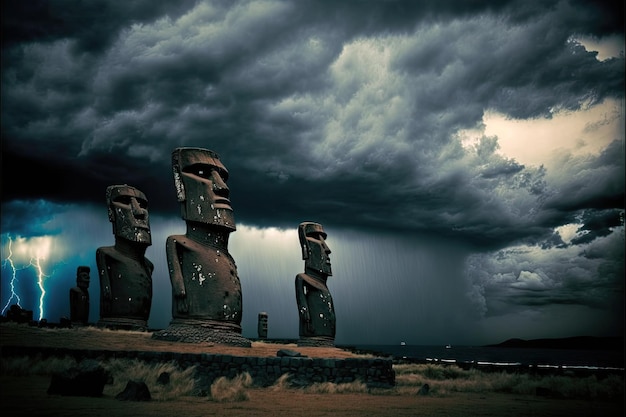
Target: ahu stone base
{"type": "Point", "coordinates": [265, 371]}
{"type": "Point", "coordinates": [196, 333]}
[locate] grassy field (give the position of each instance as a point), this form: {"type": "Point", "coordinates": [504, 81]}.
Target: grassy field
{"type": "Point", "coordinates": [452, 391]}
{"type": "Point", "coordinates": [442, 381]}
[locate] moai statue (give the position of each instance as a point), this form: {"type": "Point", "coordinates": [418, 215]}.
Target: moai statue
{"type": "Point", "coordinates": [79, 297]}
{"type": "Point", "coordinates": [206, 291]}
{"type": "Point", "coordinates": [125, 273]}
{"type": "Point", "coordinates": [262, 325]}
{"type": "Point", "coordinates": [315, 304]}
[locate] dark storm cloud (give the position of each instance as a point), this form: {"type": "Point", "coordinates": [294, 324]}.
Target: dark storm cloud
{"type": "Point", "coordinates": [508, 76]}
{"type": "Point", "coordinates": [29, 218]}
{"type": "Point", "coordinates": [289, 98]}
{"type": "Point", "coordinates": [93, 23]}
{"type": "Point", "coordinates": [527, 277]}
{"type": "Point", "coordinates": [595, 183]}
{"type": "Point", "coordinates": [598, 223]}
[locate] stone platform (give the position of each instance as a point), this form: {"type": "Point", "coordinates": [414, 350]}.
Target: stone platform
{"type": "Point", "coordinates": [264, 361]}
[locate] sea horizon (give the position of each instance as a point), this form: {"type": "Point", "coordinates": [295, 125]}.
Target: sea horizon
{"type": "Point", "coordinates": [502, 356]}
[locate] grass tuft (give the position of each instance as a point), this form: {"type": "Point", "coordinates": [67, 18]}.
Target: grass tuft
{"type": "Point", "coordinates": [282, 383]}
{"type": "Point", "coordinates": [231, 390]}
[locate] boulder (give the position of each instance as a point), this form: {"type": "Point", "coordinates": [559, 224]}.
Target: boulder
{"type": "Point", "coordinates": [134, 391]}
{"type": "Point", "coordinates": [424, 390]}
{"type": "Point", "coordinates": [164, 378]}
{"type": "Point", "coordinates": [289, 353]}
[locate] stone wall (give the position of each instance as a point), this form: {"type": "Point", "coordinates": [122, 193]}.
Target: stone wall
{"type": "Point", "coordinates": [374, 372]}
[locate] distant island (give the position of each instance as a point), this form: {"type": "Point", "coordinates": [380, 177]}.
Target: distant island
{"type": "Point", "coordinates": [576, 342]}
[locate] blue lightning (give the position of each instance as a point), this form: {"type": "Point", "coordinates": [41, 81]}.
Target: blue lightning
{"type": "Point", "coordinates": [9, 261]}
{"type": "Point", "coordinates": [33, 251]}
{"type": "Point", "coordinates": [36, 262]}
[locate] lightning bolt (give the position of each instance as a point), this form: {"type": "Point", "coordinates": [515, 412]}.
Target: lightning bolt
{"type": "Point", "coordinates": [36, 250]}
{"type": "Point", "coordinates": [9, 261]}
{"type": "Point", "coordinates": [36, 262]}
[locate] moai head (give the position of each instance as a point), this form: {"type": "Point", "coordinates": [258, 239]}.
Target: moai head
{"type": "Point", "coordinates": [315, 252]}
{"type": "Point", "coordinates": [82, 276]}
{"type": "Point", "coordinates": [128, 211]}
{"type": "Point", "coordinates": [200, 179]}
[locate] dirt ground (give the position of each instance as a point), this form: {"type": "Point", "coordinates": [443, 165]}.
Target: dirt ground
{"type": "Point", "coordinates": [96, 338]}
{"type": "Point", "coordinates": [26, 396]}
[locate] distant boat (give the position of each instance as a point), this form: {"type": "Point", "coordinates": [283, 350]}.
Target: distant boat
{"type": "Point", "coordinates": [403, 343]}
{"type": "Point", "coordinates": [448, 347]}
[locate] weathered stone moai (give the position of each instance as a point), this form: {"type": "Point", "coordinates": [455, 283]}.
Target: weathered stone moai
{"type": "Point", "coordinates": [124, 271]}
{"type": "Point", "coordinates": [79, 297]}
{"type": "Point", "coordinates": [315, 304]}
{"type": "Point", "coordinates": [262, 325]}
{"type": "Point", "coordinates": [206, 291]}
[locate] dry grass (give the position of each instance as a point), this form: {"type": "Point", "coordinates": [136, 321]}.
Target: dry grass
{"type": "Point", "coordinates": [444, 380]}
{"type": "Point", "coordinates": [230, 390]}
{"type": "Point", "coordinates": [181, 383]}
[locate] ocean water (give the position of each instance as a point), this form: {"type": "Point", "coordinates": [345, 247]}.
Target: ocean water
{"type": "Point", "coordinates": [503, 356]}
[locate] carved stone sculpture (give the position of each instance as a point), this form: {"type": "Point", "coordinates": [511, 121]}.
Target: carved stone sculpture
{"type": "Point", "coordinates": [315, 304]}
{"type": "Point", "coordinates": [124, 271]}
{"type": "Point", "coordinates": [262, 325]}
{"type": "Point", "coordinates": [79, 297]}
{"type": "Point", "coordinates": [206, 291]}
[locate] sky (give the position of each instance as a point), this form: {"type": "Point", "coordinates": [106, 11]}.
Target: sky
{"type": "Point", "coordinates": [466, 159]}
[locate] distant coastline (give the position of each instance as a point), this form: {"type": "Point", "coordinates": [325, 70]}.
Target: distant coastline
{"type": "Point", "coordinates": [576, 342]}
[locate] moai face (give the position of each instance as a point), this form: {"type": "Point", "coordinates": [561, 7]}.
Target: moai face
{"type": "Point", "coordinates": [315, 252]}
{"type": "Point", "coordinates": [200, 179]}
{"type": "Point", "coordinates": [128, 211]}
{"type": "Point", "coordinates": [82, 276]}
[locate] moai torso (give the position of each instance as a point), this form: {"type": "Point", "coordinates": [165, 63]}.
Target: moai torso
{"type": "Point", "coordinates": [209, 278]}
{"type": "Point", "coordinates": [126, 292]}
{"type": "Point", "coordinates": [314, 296]}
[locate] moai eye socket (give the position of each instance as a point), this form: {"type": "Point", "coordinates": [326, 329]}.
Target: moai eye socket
{"type": "Point", "coordinates": [127, 201]}
{"type": "Point", "coordinates": [142, 203]}
{"type": "Point", "coordinates": [123, 199]}
{"type": "Point", "coordinates": [205, 171]}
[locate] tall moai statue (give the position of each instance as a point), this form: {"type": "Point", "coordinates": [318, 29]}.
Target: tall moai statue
{"type": "Point", "coordinates": [79, 297]}
{"type": "Point", "coordinates": [315, 304]}
{"type": "Point", "coordinates": [124, 271]}
{"type": "Point", "coordinates": [206, 291]}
